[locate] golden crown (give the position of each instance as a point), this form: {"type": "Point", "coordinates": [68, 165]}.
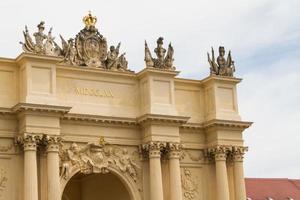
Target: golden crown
{"type": "Point", "coordinates": [89, 20]}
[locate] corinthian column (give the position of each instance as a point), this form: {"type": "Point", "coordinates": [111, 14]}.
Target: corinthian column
{"type": "Point", "coordinates": [52, 147]}
{"type": "Point", "coordinates": [174, 169]}
{"type": "Point", "coordinates": [239, 179]}
{"type": "Point", "coordinates": [220, 154]}
{"type": "Point", "coordinates": [29, 143]}
{"type": "Point", "coordinates": [156, 187]}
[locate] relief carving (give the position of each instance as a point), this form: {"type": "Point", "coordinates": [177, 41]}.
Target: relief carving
{"type": "Point", "coordinates": [5, 148]}
{"type": "Point", "coordinates": [97, 158]}
{"type": "Point", "coordinates": [189, 185]}
{"type": "Point", "coordinates": [3, 181]}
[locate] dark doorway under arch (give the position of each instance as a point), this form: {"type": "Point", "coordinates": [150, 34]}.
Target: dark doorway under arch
{"type": "Point", "coordinates": [95, 187]}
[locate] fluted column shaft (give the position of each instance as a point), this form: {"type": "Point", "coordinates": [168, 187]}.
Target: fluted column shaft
{"type": "Point", "coordinates": [30, 168]}
{"type": "Point", "coordinates": [54, 192]}
{"type": "Point", "coordinates": [239, 179]}
{"type": "Point", "coordinates": [174, 169]}
{"type": "Point", "coordinates": [221, 176]}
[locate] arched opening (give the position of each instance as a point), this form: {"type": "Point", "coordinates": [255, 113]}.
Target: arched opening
{"type": "Point", "coordinates": [95, 187]}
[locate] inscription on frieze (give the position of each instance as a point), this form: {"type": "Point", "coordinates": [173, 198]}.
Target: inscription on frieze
{"type": "Point", "coordinates": [94, 92]}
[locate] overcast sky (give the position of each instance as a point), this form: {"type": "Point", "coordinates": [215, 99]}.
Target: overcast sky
{"type": "Point", "coordinates": [264, 36]}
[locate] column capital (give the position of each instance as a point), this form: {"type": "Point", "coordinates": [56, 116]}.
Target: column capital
{"type": "Point", "coordinates": [28, 142]}
{"type": "Point", "coordinates": [153, 149]}
{"type": "Point", "coordinates": [51, 142]}
{"type": "Point", "coordinates": [174, 149]}
{"type": "Point", "coordinates": [238, 153]}
{"type": "Point", "coordinates": [219, 153]}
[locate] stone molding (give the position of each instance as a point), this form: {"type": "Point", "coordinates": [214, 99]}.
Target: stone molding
{"type": "Point", "coordinates": [162, 119]}
{"type": "Point", "coordinates": [21, 107]}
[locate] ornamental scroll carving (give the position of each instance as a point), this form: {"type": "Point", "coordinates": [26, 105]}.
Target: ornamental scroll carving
{"type": "Point", "coordinates": [97, 158]}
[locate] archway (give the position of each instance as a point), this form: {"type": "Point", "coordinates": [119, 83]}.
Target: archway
{"type": "Point", "coordinates": [95, 187]}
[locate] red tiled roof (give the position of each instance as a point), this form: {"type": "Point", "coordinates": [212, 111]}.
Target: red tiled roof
{"type": "Point", "coordinates": [275, 188]}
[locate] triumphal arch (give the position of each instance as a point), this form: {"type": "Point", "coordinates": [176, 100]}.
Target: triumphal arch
{"type": "Point", "coordinates": [77, 124]}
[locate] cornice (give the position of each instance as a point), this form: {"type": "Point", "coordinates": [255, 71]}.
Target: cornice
{"type": "Point", "coordinates": [164, 72]}
{"type": "Point", "coordinates": [20, 107]}
{"type": "Point", "coordinates": [35, 57]}
{"type": "Point", "coordinates": [192, 126]}
{"type": "Point", "coordinates": [6, 111]}
{"type": "Point", "coordinates": [227, 124]}
{"type": "Point", "coordinates": [162, 119]}
{"type": "Point", "coordinates": [221, 79]}
{"type": "Point", "coordinates": [101, 119]}
{"type": "Point", "coordinates": [81, 69]}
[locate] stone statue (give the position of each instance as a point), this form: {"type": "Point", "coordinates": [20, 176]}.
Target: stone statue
{"type": "Point", "coordinates": [44, 44]}
{"type": "Point", "coordinates": [112, 57]}
{"type": "Point", "coordinates": [223, 67]}
{"type": "Point", "coordinates": [114, 61]}
{"type": "Point", "coordinates": [40, 37]}
{"type": "Point", "coordinates": [162, 61]}
{"type": "Point", "coordinates": [68, 51]}
{"type": "Point", "coordinates": [49, 44]}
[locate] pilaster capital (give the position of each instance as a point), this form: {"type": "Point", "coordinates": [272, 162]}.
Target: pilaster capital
{"type": "Point", "coordinates": [51, 143]}
{"type": "Point", "coordinates": [238, 153]}
{"type": "Point", "coordinates": [174, 150]}
{"type": "Point", "coordinates": [28, 141]}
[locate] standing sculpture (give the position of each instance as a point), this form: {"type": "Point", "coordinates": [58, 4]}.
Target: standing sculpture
{"type": "Point", "coordinates": [164, 58]}
{"type": "Point", "coordinates": [88, 48]}
{"type": "Point", "coordinates": [223, 67]}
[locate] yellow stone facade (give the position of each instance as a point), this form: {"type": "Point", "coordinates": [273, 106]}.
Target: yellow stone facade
{"type": "Point", "coordinates": [83, 133]}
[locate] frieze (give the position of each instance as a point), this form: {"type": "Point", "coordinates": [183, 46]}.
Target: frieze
{"type": "Point", "coordinates": [98, 158]}
{"type": "Point", "coordinates": [94, 92]}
